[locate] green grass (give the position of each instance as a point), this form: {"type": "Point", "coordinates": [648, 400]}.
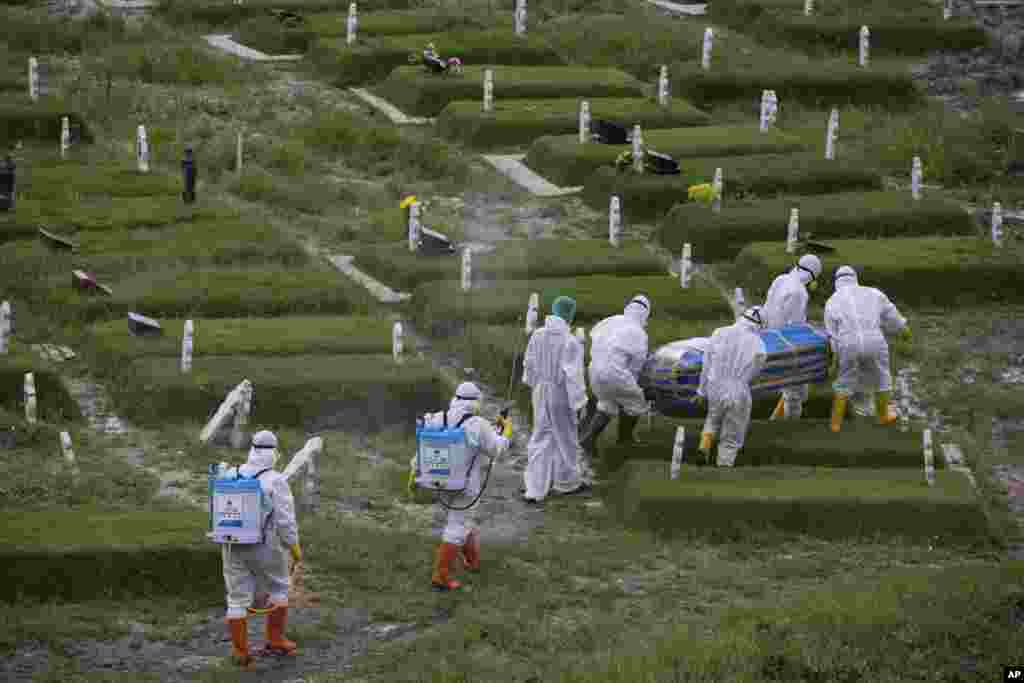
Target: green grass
{"type": "Point", "coordinates": [83, 555]}
{"type": "Point", "coordinates": [114, 215]}
{"type": "Point", "coordinates": [564, 161]}
{"type": "Point", "coordinates": [421, 94]}
{"type": "Point", "coordinates": [442, 306]}
{"type": "Point", "coordinates": [392, 225]}
{"type": "Point", "coordinates": [912, 271]}
{"type": "Point", "coordinates": [516, 122]}
{"type": "Point", "coordinates": [827, 502]}
{"type": "Point", "coordinates": [37, 33]}
{"type": "Point", "coordinates": [648, 196]}
{"type": "Point", "coordinates": [876, 215]}
{"type": "Point", "coordinates": [53, 404]}
{"type": "Point", "coordinates": [396, 23]}
{"type": "Point", "coordinates": [352, 391]}
{"type": "Point", "coordinates": [226, 12]}
{"type": "Point", "coordinates": [395, 265]}
{"type": "Point", "coordinates": [42, 121]}
{"type": "Point", "coordinates": [68, 180]}
{"type": "Point", "coordinates": [372, 59]}
{"type": "Point", "coordinates": [804, 442]}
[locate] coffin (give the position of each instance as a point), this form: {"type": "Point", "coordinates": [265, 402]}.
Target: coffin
{"type": "Point", "coordinates": [797, 355]}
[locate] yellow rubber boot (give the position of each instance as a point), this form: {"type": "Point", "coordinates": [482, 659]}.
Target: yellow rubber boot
{"type": "Point", "coordinates": [838, 411]}
{"type": "Point", "coordinates": [707, 440]}
{"type": "Point", "coordinates": [780, 410]}
{"type": "Point", "coordinates": [882, 408]}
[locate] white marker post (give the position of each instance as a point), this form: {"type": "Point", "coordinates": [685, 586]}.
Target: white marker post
{"type": "Point", "coordinates": [532, 313]}
{"type": "Point", "coordinates": [638, 149]}
{"type": "Point", "coordinates": [808, 7]}
{"type": "Point", "coordinates": [69, 453]}
{"type": "Point", "coordinates": [773, 109]}
{"type": "Point", "coordinates": [414, 226]}
{"type": "Point", "coordinates": [33, 79]}
{"type": "Point", "coordinates": [65, 137]}
{"type": "Point", "coordinates": [5, 326]}
{"type": "Point", "coordinates": [929, 458]}
{"type": "Point", "coordinates": [30, 398]}
{"type": "Point", "coordinates": [351, 24]}
{"type": "Point", "coordinates": [832, 135]}
{"type": "Point", "coordinates": [239, 150]}
{"type": "Point", "coordinates": [663, 95]}
{"type": "Point", "coordinates": [705, 53]}
{"type": "Point", "coordinates": [142, 149]}
{"type": "Point", "coordinates": [764, 111]}
{"type": "Point", "coordinates": [397, 344]}
{"type": "Point", "coordinates": [467, 269]}
{"type": "Point", "coordinates": [793, 233]}
{"type": "Point", "coordinates": [947, 9]}
{"type": "Point", "coordinates": [584, 122]}
{"type": "Point", "coordinates": [864, 56]}
{"type": "Point", "coordinates": [739, 299]}
{"type": "Point", "coordinates": [614, 220]}
{"type": "Point", "coordinates": [520, 18]}
{"type": "Point", "coordinates": [242, 413]}
{"type": "Point", "coordinates": [717, 187]}
{"type": "Point", "coordinates": [488, 90]}
{"type": "Point", "coordinates": [186, 347]}
{"type": "Point", "coordinates": [997, 224]}
{"type": "Point", "coordinates": [915, 178]}
{"type": "Point", "coordinates": [686, 266]}
{"type": "Point", "coordinates": [311, 485]}
{"type": "Point", "coordinates": [904, 387]}
{"type": "Point", "coordinates": [678, 448]}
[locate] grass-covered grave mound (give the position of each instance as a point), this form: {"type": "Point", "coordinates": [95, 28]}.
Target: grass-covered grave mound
{"type": "Point", "coordinates": [915, 271]}
{"type": "Point", "coordinates": [829, 502]}
{"type": "Point", "coordinates": [869, 215]}
{"type": "Point", "coordinates": [518, 122]}
{"type": "Point", "coordinates": [419, 93]}
{"type": "Point", "coordinates": [647, 196]}
{"type": "Point", "coordinates": [395, 265]}
{"type": "Point", "coordinates": [564, 161]}
{"type": "Point", "coordinates": [372, 59]}
{"type": "Point", "coordinates": [53, 403]}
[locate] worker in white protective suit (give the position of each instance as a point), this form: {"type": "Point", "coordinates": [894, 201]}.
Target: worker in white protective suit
{"type": "Point", "coordinates": [263, 565]}
{"type": "Point", "coordinates": [856, 319]}
{"type": "Point", "coordinates": [735, 355]}
{"type": "Point", "coordinates": [461, 532]}
{"type": "Point", "coordinates": [618, 352]}
{"type": "Point", "coordinates": [786, 304]}
{"type": "Point", "coordinates": [553, 368]}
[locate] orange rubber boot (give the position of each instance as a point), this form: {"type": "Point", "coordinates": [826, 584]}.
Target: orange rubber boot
{"type": "Point", "coordinates": [239, 630]}
{"type": "Point", "coordinates": [277, 644]}
{"type": "Point", "coordinates": [780, 410]}
{"type": "Point", "coordinates": [882, 408]}
{"type": "Point", "coordinates": [838, 411]}
{"type": "Point", "coordinates": [471, 550]}
{"type": "Point", "coordinates": [446, 554]}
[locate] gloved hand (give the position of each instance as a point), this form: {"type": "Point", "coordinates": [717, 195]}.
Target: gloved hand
{"type": "Point", "coordinates": [504, 426]}
{"type": "Point", "coordinates": [296, 552]}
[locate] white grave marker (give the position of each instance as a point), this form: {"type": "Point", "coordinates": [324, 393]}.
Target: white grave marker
{"type": "Point", "coordinates": [186, 347]}
{"type": "Point", "coordinates": [30, 398]}
{"type": "Point", "coordinates": [663, 86]}
{"type": "Point", "coordinates": [5, 326]}
{"type": "Point", "coordinates": [638, 149]}
{"type": "Point", "coordinates": [65, 137]}
{"type": "Point", "coordinates": [488, 90]}
{"type": "Point", "coordinates": [773, 109]}
{"type": "Point", "coordinates": [614, 220]}
{"type": "Point", "coordinates": [239, 150]}
{"type": "Point", "coordinates": [915, 178]}
{"type": "Point", "coordinates": [33, 79]}
{"type": "Point", "coordinates": [397, 344]}
{"type": "Point", "coordinates": [947, 9]}
{"type": "Point", "coordinates": [929, 458]}
{"type": "Point", "coordinates": [414, 226]}
{"type": "Point", "coordinates": [864, 56]}
{"type": "Point", "coordinates": [351, 24]}
{"type": "Point", "coordinates": [686, 266]}
{"type": "Point", "coordinates": [532, 313]}
{"type": "Point", "coordinates": [677, 452]}
{"type": "Point", "coordinates": [584, 121]}
{"type": "Point", "coordinates": [520, 18]}
{"type": "Point", "coordinates": [142, 149]}
{"type": "Point", "coordinates": [717, 187]}
{"type": "Point", "coordinates": [793, 233]}
{"type": "Point", "coordinates": [467, 269]}
{"type": "Point", "coordinates": [69, 453]}
{"type": "Point", "coordinates": [997, 224]}
{"type": "Point", "coordinates": [705, 53]}
{"type": "Point", "coordinates": [808, 7]}
{"type": "Point", "coordinates": [832, 135]}
{"type": "Point", "coordinates": [764, 111]}
{"type": "Point", "coordinates": [904, 387]}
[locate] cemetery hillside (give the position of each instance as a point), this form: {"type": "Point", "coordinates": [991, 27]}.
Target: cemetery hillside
{"type": "Point", "coordinates": [720, 302]}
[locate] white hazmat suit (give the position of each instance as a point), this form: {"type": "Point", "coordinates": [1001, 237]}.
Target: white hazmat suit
{"type": "Point", "coordinates": [618, 352]}
{"type": "Point", "coordinates": [263, 566]}
{"type": "Point", "coordinates": [553, 368]}
{"type": "Point", "coordinates": [735, 355]}
{"type": "Point", "coordinates": [786, 304]}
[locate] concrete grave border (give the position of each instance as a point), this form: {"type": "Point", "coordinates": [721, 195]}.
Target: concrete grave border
{"type": "Point", "coordinates": [694, 10]}
{"type": "Point", "coordinates": [391, 111]}
{"type": "Point", "coordinates": [223, 41]}
{"type": "Point", "coordinates": [512, 166]}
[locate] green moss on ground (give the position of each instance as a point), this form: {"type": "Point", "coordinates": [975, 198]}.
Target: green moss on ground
{"type": "Point", "coordinates": [40, 121]}
{"type": "Point", "coordinates": [53, 404]}
{"type": "Point", "coordinates": [878, 215]}
{"type": "Point", "coordinates": [73, 179]}
{"type": "Point", "coordinates": [564, 161]}
{"type": "Point", "coordinates": [518, 122]}
{"type": "Point", "coordinates": [418, 93]}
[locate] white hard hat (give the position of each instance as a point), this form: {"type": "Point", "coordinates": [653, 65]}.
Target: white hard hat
{"type": "Point", "coordinates": [264, 439]}
{"type": "Point", "coordinates": [810, 263]}
{"type": "Point", "coordinates": [468, 391]}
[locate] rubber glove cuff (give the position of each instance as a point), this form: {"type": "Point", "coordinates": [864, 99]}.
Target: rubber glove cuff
{"type": "Point", "coordinates": [296, 552]}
